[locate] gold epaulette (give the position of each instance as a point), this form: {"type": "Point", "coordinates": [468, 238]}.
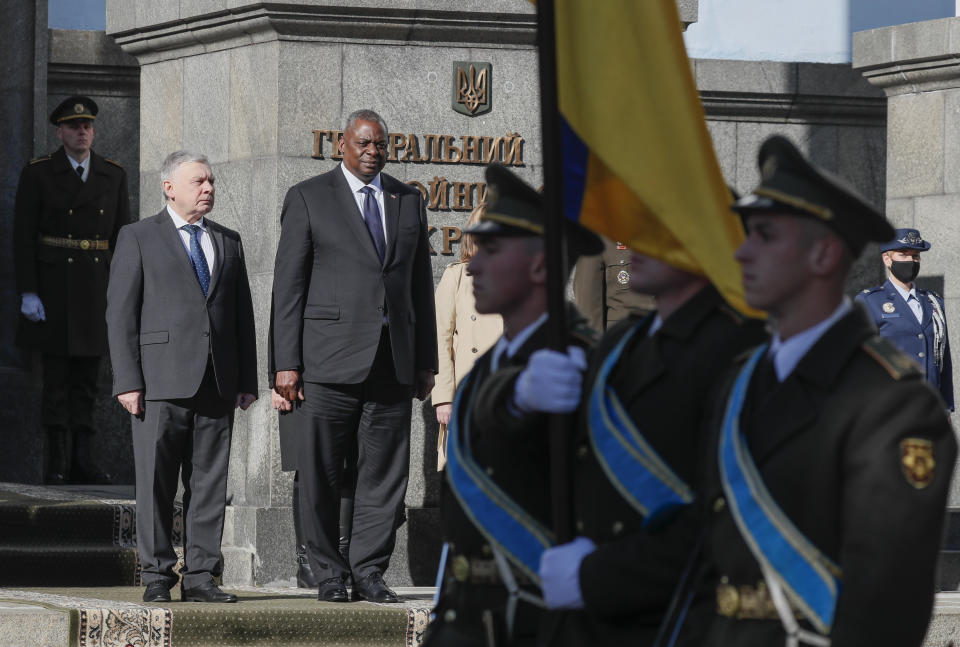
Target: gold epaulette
{"type": "Point", "coordinates": [891, 358]}
{"type": "Point", "coordinates": [115, 163]}
{"type": "Point", "coordinates": [37, 160]}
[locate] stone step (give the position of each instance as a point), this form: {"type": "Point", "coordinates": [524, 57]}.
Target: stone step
{"type": "Point", "coordinates": [116, 617]}
{"type": "Point", "coordinates": [44, 565]}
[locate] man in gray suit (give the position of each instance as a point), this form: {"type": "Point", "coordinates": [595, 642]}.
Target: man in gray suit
{"type": "Point", "coordinates": [183, 348]}
{"type": "Point", "coordinates": [354, 339]}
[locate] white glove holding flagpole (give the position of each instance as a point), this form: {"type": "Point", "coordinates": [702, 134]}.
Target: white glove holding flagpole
{"type": "Point", "coordinates": [560, 573]}
{"type": "Point", "coordinates": [32, 307]}
{"type": "Point", "coordinates": [551, 382]}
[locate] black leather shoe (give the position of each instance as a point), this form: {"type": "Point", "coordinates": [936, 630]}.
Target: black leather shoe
{"type": "Point", "coordinates": [157, 592]}
{"type": "Point", "coordinates": [333, 590]}
{"type": "Point", "coordinates": [208, 592]}
{"type": "Point", "coordinates": [373, 589]}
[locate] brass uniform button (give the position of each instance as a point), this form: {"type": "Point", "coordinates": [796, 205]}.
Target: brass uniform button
{"type": "Point", "coordinates": [719, 504]}
{"type": "Point", "coordinates": [579, 525]}
{"type": "Point", "coordinates": [84, 244]}
{"type": "Point", "coordinates": [617, 527]}
{"type": "Point", "coordinates": [96, 259]}
{"type": "Point", "coordinates": [489, 471]}
{"type": "Point", "coordinates": [70, 236]}
{"type": "Point", "coordinates": [582, 451]}
{"type": "Point", "coordinates": [101, 212]}
{"type": "Point", "coordinates": [70, 259]}
{"type": "Point", "coordinates": [69, 213]}
{"type": "Point", "coordinates": [728, 600]}
{"type": "Point", "coordinates": [461, 568]}
{"type": "Point", "coordinates": [450, 615]}
{"type": "Point", "coordinates": [485, 549]}
{"type": "Point", "coordinates": [97, 236]}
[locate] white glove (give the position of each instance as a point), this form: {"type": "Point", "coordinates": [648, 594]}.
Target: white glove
{"type": "Point", "coordinates": [560, 573]}
{"type": "Point", "coordinates": [32, 307]}
{"type": "Point", "coordinates": [551, 381]}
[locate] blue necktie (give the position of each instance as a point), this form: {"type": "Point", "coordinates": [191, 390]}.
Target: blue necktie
{"type": "Point", "coordinates": [371, 217]}
{"type": "Point", "coordinates": [197, 258]}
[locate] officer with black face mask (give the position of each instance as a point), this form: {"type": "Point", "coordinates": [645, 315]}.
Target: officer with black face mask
{"type": "Point", "coordinates": [910, 317]}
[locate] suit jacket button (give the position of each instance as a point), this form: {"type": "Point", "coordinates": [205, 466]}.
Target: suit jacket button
{"type": "Point", "coordinates": [473, 350]}
{"type": "Point", "coordinates": [473, 317]}
{"type": "Point", "coordinates": [719, 504]}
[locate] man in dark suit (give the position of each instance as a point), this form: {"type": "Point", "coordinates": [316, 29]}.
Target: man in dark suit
{"type": "Point", "coordinates": [826, 484]}
{"type": "Point", "coordinates": [69, 207]}
{"type": "Point", "coordinates": [183, 347]}
{"type": "Point", "coordinates": [909, 316]}
{"type": "Point", "coordinates": [354, 338]}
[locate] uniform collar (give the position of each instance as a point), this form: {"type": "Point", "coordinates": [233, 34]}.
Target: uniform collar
{"type": "Point", "coordinates": [787, 354]}
{"type": "Point", "coordinates": [511, 346]}
{"type": "Point", "coordinates": [684, 321]}
{"type": "Point", "coordinates": [906, 293]}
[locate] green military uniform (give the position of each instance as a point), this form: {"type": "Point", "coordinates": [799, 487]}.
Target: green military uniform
{"type": "Point", "coordinates": [513, 451]}
{"type": "Point", "coordinates": [829, 466]}
{"type": "Point", "coordinates": [64, 232]}
{"type": "Point", "coordinates": [509, 449]}
{"type": "Point", "coordinates": [663, 381]}
{"type": "Point", "coordinates": [601, 287]}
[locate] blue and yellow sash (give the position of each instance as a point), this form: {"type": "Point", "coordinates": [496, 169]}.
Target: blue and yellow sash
{"type": "Point", "coordinates": [502, 522]}
{"type": "Point", "coordinates": [629, 461]}
{"type": "Point", "coordinates": [810, 579]}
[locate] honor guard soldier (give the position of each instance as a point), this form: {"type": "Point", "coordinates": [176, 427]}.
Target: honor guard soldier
{"type": "Point", "coordinates": [602, 289]}
{"type": "Point", "coordinates": [69, 207]}
{"type": "Point", "coordinates": [635, 457]}
{"type": "Point", "coordinates": [495, 508]}
{"type": "Point", "coordinates": [911, 317]}
{"type": "Point", "coordinates": [826, 483]}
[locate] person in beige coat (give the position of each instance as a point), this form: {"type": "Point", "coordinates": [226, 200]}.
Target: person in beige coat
{"type": "Point", "coordinates": [462, 334]}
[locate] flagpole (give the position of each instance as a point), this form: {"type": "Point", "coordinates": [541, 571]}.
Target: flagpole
{"type": "Point", "coordinates": [559, 425]}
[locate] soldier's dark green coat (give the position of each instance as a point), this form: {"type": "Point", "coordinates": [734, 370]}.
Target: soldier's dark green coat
{"type": "Point", "coordinates": [515, 453]}
{"type": "Point", "coordinates": [71, 283]}
{"type": "Point", "coordinates": [827, 442]}
{"type": "Point", "coordinates": [662, 381]}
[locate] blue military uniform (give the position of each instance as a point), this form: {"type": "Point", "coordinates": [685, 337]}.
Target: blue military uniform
{"type": "Point", "coordinates": [925, 341]}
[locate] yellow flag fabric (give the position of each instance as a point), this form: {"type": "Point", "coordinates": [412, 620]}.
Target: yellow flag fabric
{"type": "Point", "coordinates": [651, 177]}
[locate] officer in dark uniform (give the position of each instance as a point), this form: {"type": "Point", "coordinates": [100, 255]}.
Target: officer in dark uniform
{"type": "Point", "coordinates": [828, 472]}
{"type": "Point", "coordinates": [601, 287]}
{"type": "Point", "coordinates": [495, 505]}
{"type": "Point", "coordinates": [69, 207]}
{"type": "Point", "coordinates": [637, 527]}
{"type": "Point", "coordinates": [911, 317]}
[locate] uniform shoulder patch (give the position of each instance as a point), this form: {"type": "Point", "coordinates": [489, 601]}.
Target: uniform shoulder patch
{"type": "Point", "coordinates": [892, 359]}
{"type": "Point", "coordinates": [37, 160]}
{"type": "Point", "coordinates": [917, 461]}
{"type": "Point", "coordinates": [114, 162]}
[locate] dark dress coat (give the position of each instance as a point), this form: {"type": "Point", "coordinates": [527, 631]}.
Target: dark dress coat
{"type": "Point", "coordinates": [895, 321]}
{"type": "Point", "coordinates": [52, 200]}
{"type": "Point", "coordinates": [828, 444]}
{"type": "Point", "coordinates": [663, 382]}
{"type": "Point", "coordinates": [514, 452]}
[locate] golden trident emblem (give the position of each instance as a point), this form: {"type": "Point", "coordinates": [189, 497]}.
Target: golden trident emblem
{"type": "Point", "coordinates": [472, 88]}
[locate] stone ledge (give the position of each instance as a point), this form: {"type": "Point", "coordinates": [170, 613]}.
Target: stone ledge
{"type": "Point", "coordinates": [910, 58]}
{"type": "Point", "coordinates": [253, 24]}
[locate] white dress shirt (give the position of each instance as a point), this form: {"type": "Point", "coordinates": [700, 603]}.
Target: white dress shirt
{"type": "Point", "coordinates": [86, 166]}
{"type": "Point", "coordinates": [912, 300]}
{"type": "Point", "coordinates": [356, 184]}
{"type": "Point", "coordinates": [787, 354]}
{"type": "Point", "coordinates": [206, 243]}
{"type": "Point", "coordinates": [511, 346]}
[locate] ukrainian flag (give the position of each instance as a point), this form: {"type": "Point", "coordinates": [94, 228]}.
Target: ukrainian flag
{"type": "Point", "coordinates": [638, 162]}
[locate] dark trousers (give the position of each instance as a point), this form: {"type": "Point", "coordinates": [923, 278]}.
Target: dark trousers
{"type": "Point", "coordinates": [69, 389]}
{"type": "Point", "coordinates": [190, 437]}
{"type": "Point", "coordinates": [376, 415]}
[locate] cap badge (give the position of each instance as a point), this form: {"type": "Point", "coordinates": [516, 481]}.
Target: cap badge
{"type": "Point", "coordinates": [623, 277]}
{"type": "Point", "coordinates": [912, 238]}
{"type": "Point", "coordinates": [917, 462]}
{"type": "Point", "coordinates": [78, 108]}
{"type": "Point", "coordinates": [889, 308]}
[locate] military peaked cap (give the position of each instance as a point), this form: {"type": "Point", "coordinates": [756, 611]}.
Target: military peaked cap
{"type": "Point", "coordinates": [791, 184]}
{"type": "Point", "coordinates": [514, 208]}
{"type": "Point", "coordinates": [906, 239]}
{"type": "Point", "coordinates": [73, 108]}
